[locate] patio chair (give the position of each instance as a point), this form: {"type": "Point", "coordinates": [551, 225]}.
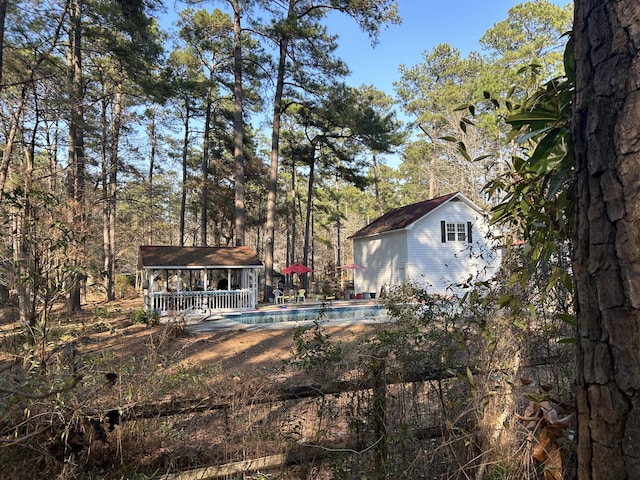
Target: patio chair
{"type": "Point", "coordinates": [301, 296]}
{"type": "Point", "coordinates": [277, 296]}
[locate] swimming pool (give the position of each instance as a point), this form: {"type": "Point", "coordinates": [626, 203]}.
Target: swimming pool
{"type": "Point", "coordinates": [291, 316]}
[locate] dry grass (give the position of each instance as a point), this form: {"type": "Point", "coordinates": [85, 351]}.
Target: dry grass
{"type": "Point", "coordinates": [435, 429]}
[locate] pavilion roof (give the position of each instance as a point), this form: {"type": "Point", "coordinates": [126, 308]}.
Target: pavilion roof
{"type": "Point", "coordinates": [162, 256]}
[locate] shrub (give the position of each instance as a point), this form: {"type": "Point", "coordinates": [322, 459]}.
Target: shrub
{"type": "Point", "coordinates": [146, 317]}
{"type": "Point", "coordinates": [124, 286]}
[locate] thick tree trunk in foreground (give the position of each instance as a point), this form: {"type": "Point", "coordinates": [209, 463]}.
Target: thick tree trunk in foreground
{"type": "Point", "coordinates": [606, 129]}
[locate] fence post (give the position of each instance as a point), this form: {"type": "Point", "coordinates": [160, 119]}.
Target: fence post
{"type": "Point", "coordinates": [379, 409]}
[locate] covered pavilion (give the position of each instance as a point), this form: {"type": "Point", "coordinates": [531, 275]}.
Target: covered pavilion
{"type": "Point", "coordinates": [199, 279]}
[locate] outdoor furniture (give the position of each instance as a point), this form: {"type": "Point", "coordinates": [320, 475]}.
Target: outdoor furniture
{"type": "Point", "coordinates": [301, 296]}
{"type": "Point", "coordinates": [278, 297]}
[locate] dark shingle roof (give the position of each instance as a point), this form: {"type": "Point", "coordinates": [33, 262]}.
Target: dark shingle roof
{"type": "Point", "coordinates": [193, 257]}
{"type": "Point", "coordinates": [402, 217]}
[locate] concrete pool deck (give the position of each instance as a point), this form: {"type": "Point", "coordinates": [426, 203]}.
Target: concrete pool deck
{"type": "Point", "coordinates": [206, 323]}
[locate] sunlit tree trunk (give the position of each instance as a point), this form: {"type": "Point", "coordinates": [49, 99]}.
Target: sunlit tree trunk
{"type": "Point", "coordinates": [273, 173]}
{"type": "Point", "coordinates": [185, 158]}
{"type": "Point", "coordinates": [26, 244]}
{"type": "Point", "coordinates": [238, 130]}
{"type": "Point", "coordinates": [307, 222]}
{"type": "Point", "coordinates": [10, 138]}
{"type": "Point", "coordinates": [204, 169]}
{"type": "Point", "coordinates": [3, 14]}
{"type": "Point", "coordinates": [376, 185]}
{"type": "Point", "coordinates": [110, 192]}
{"type": "Point", "coordinates": [152, 160]}
{"type": "Point", "coordinates": [76, 174]}
{"type": "Point", "coordinates": [606, 131]}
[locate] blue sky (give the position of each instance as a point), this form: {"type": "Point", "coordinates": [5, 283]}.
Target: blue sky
{"type": "Point", "coordinates": [425, 24]}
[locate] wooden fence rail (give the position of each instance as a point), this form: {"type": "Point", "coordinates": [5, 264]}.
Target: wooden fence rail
{"type": "Point", "coordinates": [194, 405]}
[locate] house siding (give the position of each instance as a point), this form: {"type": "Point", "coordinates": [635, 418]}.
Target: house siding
{"type": "Point", "coordinates": [439, 266]}
{"type": "Point", "coordinates": [385, 258]}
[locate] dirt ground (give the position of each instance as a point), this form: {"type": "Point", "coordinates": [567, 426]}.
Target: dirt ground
{"type": "Point", "coordinates": [141, 369]}
{"type": "Point", "coordinates": [247, 351]}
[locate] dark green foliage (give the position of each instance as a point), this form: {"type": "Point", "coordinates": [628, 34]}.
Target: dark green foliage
{"type": "Point", "coordinates": [146, 317]}
{"type": "Point", "coordinates": [537, 189]}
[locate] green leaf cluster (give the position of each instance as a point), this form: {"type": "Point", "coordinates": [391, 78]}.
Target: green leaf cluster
{"type": "Point", "coordinates": [538, 190]}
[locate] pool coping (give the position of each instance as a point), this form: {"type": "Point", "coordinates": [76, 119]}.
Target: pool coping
{"type": "Point", "coordinates": [215, 322]}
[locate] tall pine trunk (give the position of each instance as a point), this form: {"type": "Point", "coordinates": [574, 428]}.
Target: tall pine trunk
{"type": "Point", "coordinates": [110, 172]}
{"type": "Point", "coordinates": [76, 174]}
{"type": "Point", "coordinates": [25, 245]}
{"type": "Point", "coordinates": [273, 172]}
{"type": "Point", "coordinates": [238, 130]}
{"type": "Point", "coordinates": [152, 160]}
{"type": "Point", "coordinates": [204, 170]}
{"type": "Point", "coordinates": [185, 158]}
{"type": "Point", "coordinates": [307, 219]}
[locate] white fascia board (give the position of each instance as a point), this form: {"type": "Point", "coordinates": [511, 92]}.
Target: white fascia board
{"type": "Point", "coordinates": [439, 207]}
{"type": "Point", "coordinates": [209, 267]}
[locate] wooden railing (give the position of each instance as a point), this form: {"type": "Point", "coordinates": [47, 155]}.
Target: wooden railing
{"type": "Point", "coordinates": [167, 303]}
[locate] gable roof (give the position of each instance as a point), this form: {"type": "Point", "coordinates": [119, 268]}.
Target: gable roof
{"type": "Point", "coordinates": [161, 256]}
{"type": "Point", "coordinates": [402, 217]}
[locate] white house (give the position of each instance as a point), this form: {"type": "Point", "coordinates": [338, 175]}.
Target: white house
{"type": "Point", "coordinates": [439, 243]}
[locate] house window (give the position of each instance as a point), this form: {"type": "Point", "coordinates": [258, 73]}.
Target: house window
{"type": "Point", "coordinates": [456, 232]}
{"type": "Point", "coordinates": [451, 232]}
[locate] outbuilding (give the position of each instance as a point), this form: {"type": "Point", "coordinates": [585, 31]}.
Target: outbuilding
{"type": "Point", "coordinates": [441, 244]}
{"type": "Point", "coordinates": [199, 279]}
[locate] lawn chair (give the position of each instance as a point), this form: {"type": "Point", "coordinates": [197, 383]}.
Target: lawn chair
{"type": "Point", "coordinates": [278, 297]}
{"type": "Point", "coordinates": [301, 296]}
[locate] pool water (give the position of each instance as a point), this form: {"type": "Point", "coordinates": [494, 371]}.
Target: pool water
{"type": "Point", "coordinates": [291, 316]}
{"type": "Point", "coordinates": [310, 314]}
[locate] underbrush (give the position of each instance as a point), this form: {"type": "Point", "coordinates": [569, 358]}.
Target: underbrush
{"type": "Point", "coordinates": [441, 392]}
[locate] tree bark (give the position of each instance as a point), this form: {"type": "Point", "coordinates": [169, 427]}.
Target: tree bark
{"type": "Point", "coordinates": [185, 158]}
{"type": "Point", "coordinates": [606, 130]}
{"type": "Point", "coordinates": [238, 130]}
{"type": "Point", "coordinates": [204, 169]}
{"type": "Point", "coordinates": [75, 185]}
{"type": "Point", "coordinates": [109, 228]}
{"type": "Point", "coordinates": [273, 172]}
{"type": "Point", "coordinates": [153, 138]}
{"type": "Point", "coordinates": [25, 255]}
{"type": "Point", "coordinates": [307, 221]}
{"type": "Point", "coordinates": [3, 14]}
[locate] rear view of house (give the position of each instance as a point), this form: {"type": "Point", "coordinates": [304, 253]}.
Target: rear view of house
{"type": "Point", "coordinates": [439, 244]}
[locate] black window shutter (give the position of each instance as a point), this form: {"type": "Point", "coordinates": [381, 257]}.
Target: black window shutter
{"type": "Point", "coordinates": [469, 236]}
{"type": "Point", "coordinates": [443, 229]}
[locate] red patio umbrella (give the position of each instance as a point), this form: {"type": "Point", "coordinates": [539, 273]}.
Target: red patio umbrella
{"type": "Point", "coordinates": [296, 268]}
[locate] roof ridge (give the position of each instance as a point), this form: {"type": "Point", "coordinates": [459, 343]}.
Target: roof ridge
{"type": "Point", "coordinates": [401, 217]}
